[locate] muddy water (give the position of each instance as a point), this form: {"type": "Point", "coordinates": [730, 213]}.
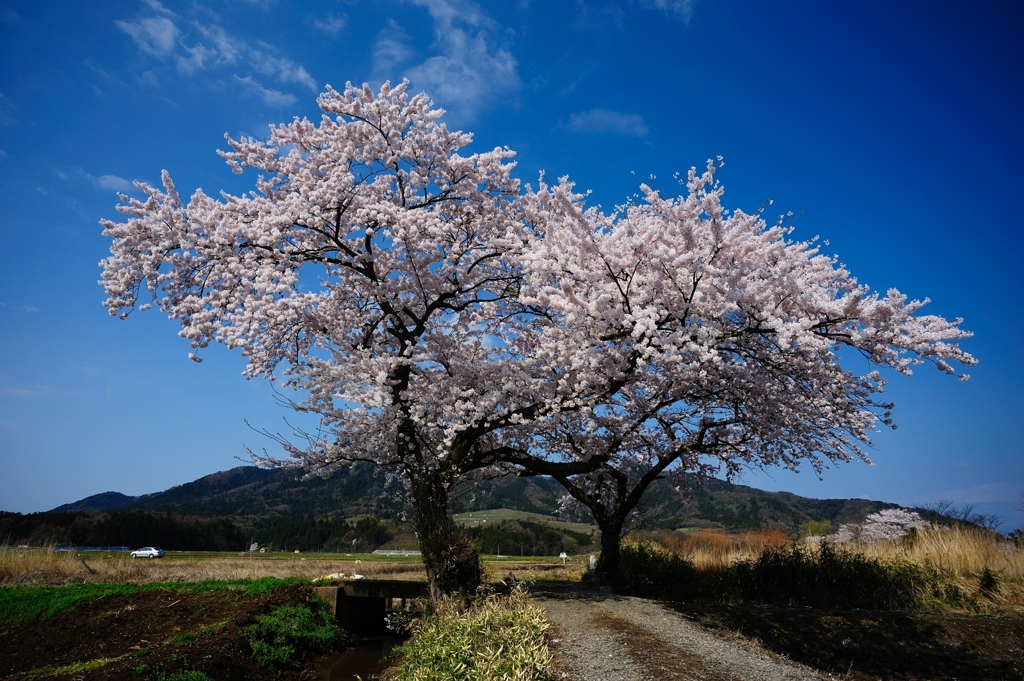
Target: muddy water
{"type": "Point", "coordinates": [365, 660]}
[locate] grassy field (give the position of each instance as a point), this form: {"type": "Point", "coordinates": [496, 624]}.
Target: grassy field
{"type": "Point", "coordinates": [49, 567]}
{"type": "Point", "coordinates": [497, 515]}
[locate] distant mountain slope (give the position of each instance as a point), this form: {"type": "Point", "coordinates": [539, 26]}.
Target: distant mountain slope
{"type": "Point", "coordinates": [252, 495]}
{"type": "Point", "coordinates": [719, 504]}
{"type": "Point", "coordinates": [106, 501]}
{"type": "Point", "coordinates": [249, 493]}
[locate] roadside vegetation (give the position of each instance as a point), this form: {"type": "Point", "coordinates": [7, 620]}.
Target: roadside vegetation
{"type": "Point", "coordinates": [498, 637]}
{"type": "Point", "coordinates": [960, 568]}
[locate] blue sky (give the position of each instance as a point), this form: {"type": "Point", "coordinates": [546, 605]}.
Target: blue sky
{"type": "Point", "coordinates": [892, 129]}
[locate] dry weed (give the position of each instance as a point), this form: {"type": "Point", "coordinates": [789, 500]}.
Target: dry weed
{"type": "Point", "coordinates": [986, 570]}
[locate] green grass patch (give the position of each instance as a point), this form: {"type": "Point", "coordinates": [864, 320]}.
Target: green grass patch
{"type": "Point", "coordinates": [25, 603]}
{"type": "Point", "coordinates": [502, 637]}
{"type": "Point", "coordinates": [188, 676]}
{"type": "Point", "coordinates": [184, 638]}
{"type": "Point", "coordinates": [276, 637]}
{"type": "Point", "coordinates": [499, 514]}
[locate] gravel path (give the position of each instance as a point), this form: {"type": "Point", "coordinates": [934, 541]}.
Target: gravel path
{"type": "Point", "coordinates": [604, 637]}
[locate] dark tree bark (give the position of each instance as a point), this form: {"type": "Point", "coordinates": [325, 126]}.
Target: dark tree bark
{"type": "Point", "coordinates": [607, 569]}
{"type": "Point", "coordinates": [450, 558]}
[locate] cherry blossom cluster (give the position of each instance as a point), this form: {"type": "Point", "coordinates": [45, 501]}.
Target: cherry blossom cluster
{"type": "Point", "coordinates": [891, 525]}
{"type": "Point", "coordinates": [442, 319]}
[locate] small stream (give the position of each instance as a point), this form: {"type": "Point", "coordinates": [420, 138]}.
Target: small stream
{"type": "Point", "coordinates": [365, 659]}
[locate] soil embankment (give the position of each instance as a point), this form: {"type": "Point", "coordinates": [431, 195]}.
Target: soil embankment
{"type": "Point", "coordinates": [154, 634]}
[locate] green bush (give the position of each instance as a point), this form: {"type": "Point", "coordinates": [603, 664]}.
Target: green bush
{"type": "Point", "coordinates": [815, 528]}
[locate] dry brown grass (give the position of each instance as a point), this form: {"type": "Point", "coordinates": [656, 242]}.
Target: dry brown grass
{"type": "Point", "coordinates": [46, 566]}
{"type": "Point", "coordinates": [957, 550]}
{"type": "Point", "coordinates": [962, 555]}
{"type": "Point", "coordinates": [957, 556]}
{"type": "Point", "coordinates": [714, 550]}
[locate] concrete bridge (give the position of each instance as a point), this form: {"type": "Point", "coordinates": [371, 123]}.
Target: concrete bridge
{"type": "Point", "coordinates": [360, 605]}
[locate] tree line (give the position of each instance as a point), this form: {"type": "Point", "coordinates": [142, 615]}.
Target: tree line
{"type": "Point", "coordinates": [183, 533]}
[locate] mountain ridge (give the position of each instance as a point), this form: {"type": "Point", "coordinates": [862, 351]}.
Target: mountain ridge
{"type": "Point", "coordinates": [254, 495]}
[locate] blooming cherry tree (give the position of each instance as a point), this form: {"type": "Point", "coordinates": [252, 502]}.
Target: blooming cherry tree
{"type": "Point", "coordinates": [733, 333]}
{"type": "Point", "coordinates": [891, 524]}
{"type": "Point", "coordinates": [378, 271]}
{"type": "Point", "coordinates": [440, 321]}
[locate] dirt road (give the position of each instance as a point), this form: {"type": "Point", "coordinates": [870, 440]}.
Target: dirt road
{"type": "Point", "coordinates": [604, 637]}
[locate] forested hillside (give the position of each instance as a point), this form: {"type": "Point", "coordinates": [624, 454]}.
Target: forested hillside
{"type": "Point", "coordinates": [353, 511]}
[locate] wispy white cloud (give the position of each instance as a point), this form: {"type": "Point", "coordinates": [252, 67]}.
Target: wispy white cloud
{"type": "Point", "coordinates": [113, 183]}
{"type": "Point", "coordinates": [282, 68]}
{"type": "Point", "coordinates": [16, 391]}
{"type": "Point", "coordinates": [678, 9]}
{"type": "Point", "coordinates": [157, 7]}
{"type": "Point", "coordinates": [606, 120]}
{"type": "Point", "coordinates": [468, 70]}
{"type": "Point", "coordinates": [157, 36]}
{"type": "Point", "coordinates": [195, 58]}
{"type": "Point", "coordinates": [979, 494]}
{"type": "Point", "coordinates": [269, 97]}
{"type": "Point", "coordinates": [330, 24]}
{"type": "Point", "coordinates": [9, 16]}
{"type": "Point", "coordinates": [390, 51]}
{"type": "Point", "coordinates": [6, 111]}
{"type": "Point", "coordinates": [194, 47]}
{"type": "Point", "coordinates": [3, 154]}
{"type": "Point", "coordinates": [20, 306]}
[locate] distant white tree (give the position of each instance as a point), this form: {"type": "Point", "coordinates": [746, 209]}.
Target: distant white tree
{"type": "Point", "coordinates": [891, 524]}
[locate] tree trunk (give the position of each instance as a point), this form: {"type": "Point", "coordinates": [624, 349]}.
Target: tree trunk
{"type": "Point", "coordinates": [608, 563]}
{"type": "Point", "coordinates": [450, 558]}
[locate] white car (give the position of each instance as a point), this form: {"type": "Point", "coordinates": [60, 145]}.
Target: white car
{"type": "Point", "coordinates": [148, 552]}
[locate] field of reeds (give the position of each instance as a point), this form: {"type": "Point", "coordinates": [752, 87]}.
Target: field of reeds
{"type": "Point", "coordinates": [959, 567]}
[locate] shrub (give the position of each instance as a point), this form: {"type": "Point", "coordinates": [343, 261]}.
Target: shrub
{"type": "Point", "coordinates": [502, 637]}
{"type": "Point", "coordinates": [829, 577]}
{"type": "Point", "coordinates": [826, 577]}
{"type": "Point", "coordinates": [815, 528]}
{"type": "Point", "coordinates": [646, 569]}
